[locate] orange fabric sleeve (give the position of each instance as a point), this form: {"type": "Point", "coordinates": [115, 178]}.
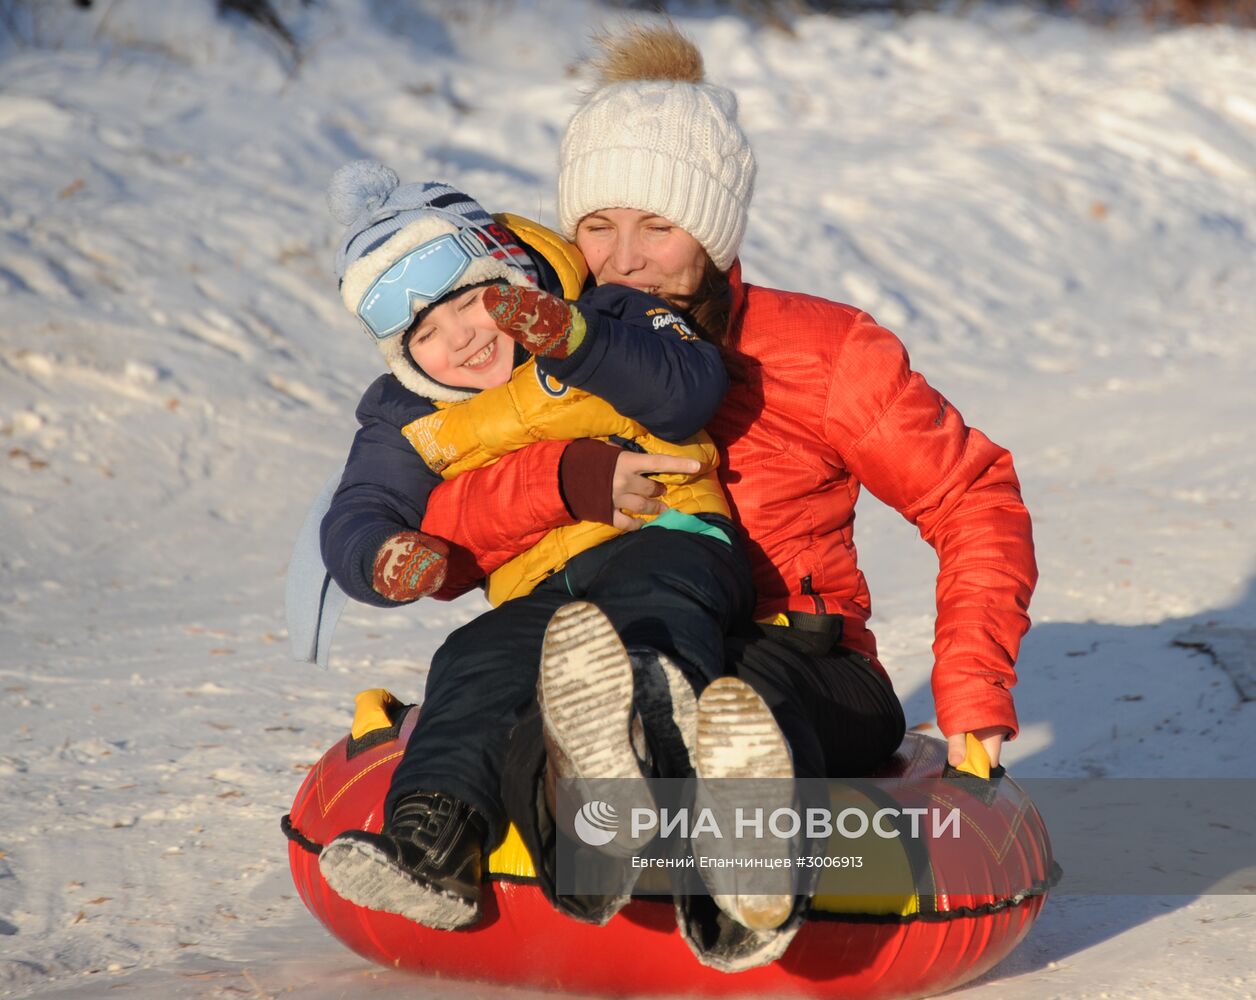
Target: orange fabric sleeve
{"type": "Point", "coordinates": [911, 449]}
{"type": "Point", "coordinates": [489, 515]}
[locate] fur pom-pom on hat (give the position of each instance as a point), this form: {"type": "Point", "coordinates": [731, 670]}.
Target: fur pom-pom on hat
{"type": "Point", "coordinates": [359, 188]}
{"type": "Point", "coordinates": [646, 52]}
{"type": "Point", "coordinates": [657, 138]}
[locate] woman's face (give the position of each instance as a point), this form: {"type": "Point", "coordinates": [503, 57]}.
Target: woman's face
{"type": "Point", "coordinates": [624, 246]}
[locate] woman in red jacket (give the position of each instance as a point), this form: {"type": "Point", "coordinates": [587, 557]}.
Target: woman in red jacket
{"type": "Point", "coordinates": [823, 403]}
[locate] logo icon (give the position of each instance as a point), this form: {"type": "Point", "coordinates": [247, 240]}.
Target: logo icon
{"type": "Point", "coordinates": [550, 385]}
{"type": "Point", "coordinates": [596, 823]}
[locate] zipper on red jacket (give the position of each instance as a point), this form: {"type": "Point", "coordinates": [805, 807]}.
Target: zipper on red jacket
{"type": "Point", "coordinates": [821, 609]}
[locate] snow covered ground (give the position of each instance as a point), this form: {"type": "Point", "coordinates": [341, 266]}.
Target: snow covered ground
{"type": "Point", "coordinates": [1059, 220]}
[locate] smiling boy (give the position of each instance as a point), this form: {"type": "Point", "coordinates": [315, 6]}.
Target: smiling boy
{"type": "Point", "coordinates": [486, 358]}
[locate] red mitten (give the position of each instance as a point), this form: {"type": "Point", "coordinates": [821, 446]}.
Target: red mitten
{"type": "Point", "coordinates": [410, 565]}
{"type": "Point", "coordinates": [544, 324]}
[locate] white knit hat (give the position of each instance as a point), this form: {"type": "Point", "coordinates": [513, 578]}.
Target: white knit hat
{"type": "Point", "coordinates": [668, 146]}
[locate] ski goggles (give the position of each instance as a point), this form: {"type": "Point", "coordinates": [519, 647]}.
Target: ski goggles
{"type": "Point", "coordinates": [425, 273]}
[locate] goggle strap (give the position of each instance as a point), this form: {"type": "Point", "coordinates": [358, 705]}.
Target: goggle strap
{"type": "Point", "coordinates": [461, 222]}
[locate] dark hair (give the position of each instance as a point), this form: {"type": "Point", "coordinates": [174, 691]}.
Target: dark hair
{"type": "Point", "coordinates": [709, 310]}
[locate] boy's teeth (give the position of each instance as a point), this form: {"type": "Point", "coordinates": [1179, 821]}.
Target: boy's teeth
{"type": "Point", "coordinates": [481, 357]}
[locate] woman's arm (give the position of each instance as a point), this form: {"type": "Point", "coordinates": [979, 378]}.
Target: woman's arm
{"type": "Point", "coordinates": [485, 516]}
{"type": "Point", "coordinates": [911, 448]}
{"type": "Point", "coordinates": [488, 516]}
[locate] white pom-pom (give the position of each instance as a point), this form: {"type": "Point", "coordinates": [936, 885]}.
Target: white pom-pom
{"type": "Point", "coordinates": [358, 188]}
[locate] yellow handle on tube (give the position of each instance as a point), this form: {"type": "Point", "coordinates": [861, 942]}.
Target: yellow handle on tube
{"type": "Point", "coordinates": [976, 760]}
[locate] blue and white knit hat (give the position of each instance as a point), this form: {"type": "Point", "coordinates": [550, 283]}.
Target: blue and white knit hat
{"type": "Point", "coordinates": [385, 220]}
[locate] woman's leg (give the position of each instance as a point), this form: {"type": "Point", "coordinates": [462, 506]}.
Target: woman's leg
{"type": "Point", "coordinates": [841, 717]}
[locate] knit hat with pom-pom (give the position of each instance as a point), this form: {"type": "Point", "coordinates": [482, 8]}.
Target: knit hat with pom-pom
{"type": "Point", "coordinates": [385, 220]}
{"type": "Point", "coordinates": [657, 138]}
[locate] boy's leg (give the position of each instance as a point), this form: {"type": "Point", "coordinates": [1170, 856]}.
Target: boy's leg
{"type": "Point", "coordinates": [671, 591]}
{"type": "Point", "coordinates": [668, 593]}
{"type": "Point", "coordinates": [658, 591]}
{"type": "Point", "coordinates": [644, 634]}
{"type": "Point", "coordinates": [444, 805]}
{"type": "Point", "coordinates": [481, 681]}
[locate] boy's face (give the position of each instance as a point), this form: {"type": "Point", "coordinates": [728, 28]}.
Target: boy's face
{"type": "Point", "coordinates": [457, 343]}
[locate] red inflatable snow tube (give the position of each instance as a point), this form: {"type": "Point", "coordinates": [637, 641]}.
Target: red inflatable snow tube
{"type": "Point", "coordinates": [921, 945]}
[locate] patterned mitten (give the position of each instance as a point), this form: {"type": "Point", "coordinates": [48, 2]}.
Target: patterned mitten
{"type": "Point", "coordinates": [410, 565]}
{"type": "Point", "coordinates": [544, 324]}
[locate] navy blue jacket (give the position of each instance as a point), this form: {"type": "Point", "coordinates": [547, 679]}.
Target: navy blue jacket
{"type": "Point", "coordinates": [668, 382]}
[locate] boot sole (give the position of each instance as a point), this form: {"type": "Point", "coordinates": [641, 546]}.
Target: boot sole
{"type": "Point", "coordinates": [368, 877]}
{"type": "Point", "coordinates": [669, 710]}
{"type": "Point", "coordinates": [738, 738]}
{"type": "Point", "coordinates": [585, 693]}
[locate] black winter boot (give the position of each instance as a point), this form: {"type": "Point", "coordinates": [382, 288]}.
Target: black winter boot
{"type": "Point", "coordinates": [667, 710]}
{"type": "Point", "coordinates": [425, 865]}
{"type": "Point", "coordinates": [720, 942]}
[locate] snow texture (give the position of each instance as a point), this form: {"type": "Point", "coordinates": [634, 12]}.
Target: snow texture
{"type": "Point", "coordinates": [1059, 220]}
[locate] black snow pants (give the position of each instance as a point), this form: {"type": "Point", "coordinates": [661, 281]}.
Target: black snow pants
{"type": "Point", "coordinates": [674, 591]}
{"type": "Point", "coordinates": [838, 713]}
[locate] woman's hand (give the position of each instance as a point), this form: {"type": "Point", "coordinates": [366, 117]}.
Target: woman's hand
{"type": "Point", "coordinates": [991, 738]}
{"type": "Point", "coordinates": [605, 483]}
{"type": "Point", "coordinates": [633, 491]}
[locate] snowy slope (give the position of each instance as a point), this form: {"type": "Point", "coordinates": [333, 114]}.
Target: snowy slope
{"type": "Point", "coordinates": [1060, 222]}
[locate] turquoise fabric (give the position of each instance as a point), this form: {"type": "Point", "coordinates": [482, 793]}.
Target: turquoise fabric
{"type": "Point", "coordinates": [675, 520]}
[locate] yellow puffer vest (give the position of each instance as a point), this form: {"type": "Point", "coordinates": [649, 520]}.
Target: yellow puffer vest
{"type": "Point", "coordinates": [533, 407]}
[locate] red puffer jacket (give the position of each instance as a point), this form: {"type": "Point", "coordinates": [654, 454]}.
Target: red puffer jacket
{"type": "Point", "coordinates": [828, 404]}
